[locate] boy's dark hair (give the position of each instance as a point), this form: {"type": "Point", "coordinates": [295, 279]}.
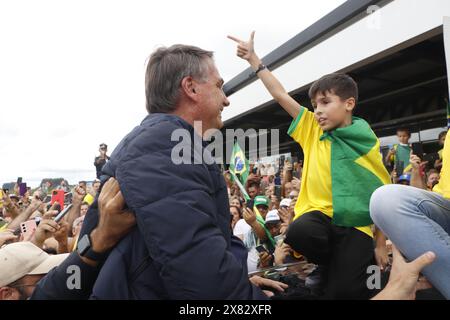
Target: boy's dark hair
{"type": "Point", "coordinates": [339, 84]}
{"type": "Point", "coordinates": [404, 129]}
{"type": "Point", "coordinates": [253, 184]}
{"type": "Point", "coordinates": [443, 133]}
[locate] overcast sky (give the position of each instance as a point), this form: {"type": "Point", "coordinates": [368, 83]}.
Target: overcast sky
{"type": "Point", "coordinates": [72, 72]}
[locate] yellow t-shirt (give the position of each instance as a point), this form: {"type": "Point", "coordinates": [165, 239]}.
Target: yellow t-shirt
{"type": "Point", "coordinates": [315, 191]}
{"type": "Point", "coordinates": [443, 187]}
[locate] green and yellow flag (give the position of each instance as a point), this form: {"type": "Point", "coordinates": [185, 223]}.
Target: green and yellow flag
{"type": "Point", "coordinates": [357, 170]}
{"type": "Point", "coordinates": [239, 166]}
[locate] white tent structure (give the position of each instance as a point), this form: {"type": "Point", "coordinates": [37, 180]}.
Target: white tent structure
{"type": "Point", "coordinates": [395, 51]}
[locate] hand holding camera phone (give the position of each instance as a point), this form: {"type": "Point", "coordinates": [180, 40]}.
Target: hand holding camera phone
{"type": "Point", "coordinates": [261, 249]}
{"type": "Point", "coordinates": [61, 215]}
{"type": "Point", "coordinates": [417, 149]}
{"type": "Point", "coordinates": [27, 229]}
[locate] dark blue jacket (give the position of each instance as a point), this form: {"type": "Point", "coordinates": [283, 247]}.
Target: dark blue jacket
{"type": "Point", "coordinates": [182, 246]}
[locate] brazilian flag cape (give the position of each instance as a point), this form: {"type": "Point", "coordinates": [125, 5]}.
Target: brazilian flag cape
{"type": "Point", "coordinates": [357, 171]}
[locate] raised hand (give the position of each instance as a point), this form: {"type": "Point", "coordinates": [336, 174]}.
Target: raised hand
{"type": "Point", "coordinates": [245, 50]}
{"type": "Point", "coordinates": [249, 216]}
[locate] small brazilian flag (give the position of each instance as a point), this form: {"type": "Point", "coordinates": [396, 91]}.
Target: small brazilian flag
{"type": "Point", "coordinates": [239, 166]}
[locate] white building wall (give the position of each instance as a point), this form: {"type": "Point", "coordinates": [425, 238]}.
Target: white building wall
{"type": "Point", "coordinates": [395, 23]}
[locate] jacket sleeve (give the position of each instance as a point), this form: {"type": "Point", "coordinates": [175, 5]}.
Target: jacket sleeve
{"type": "Point", "coordinates": [179, 220]}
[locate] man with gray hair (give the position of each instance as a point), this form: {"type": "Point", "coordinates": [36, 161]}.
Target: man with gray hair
{"type": "Point", "coordinates": [182, 247]}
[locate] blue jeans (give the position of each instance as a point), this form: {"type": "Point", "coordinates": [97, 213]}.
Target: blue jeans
{"type": "Point", "coordinates": [416, 221]}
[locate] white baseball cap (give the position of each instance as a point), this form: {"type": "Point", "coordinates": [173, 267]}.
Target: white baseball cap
{"type": "Point", "coordinates": [286, 202]}
{"type": "Point", "coordinates": [24, 258]}
{"type": "Point", "coordinates": [272, 216]}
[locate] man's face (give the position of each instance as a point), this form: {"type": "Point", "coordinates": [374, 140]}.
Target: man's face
{"type": "Point", "coordinates": [263, 210]}
{"type": "Point", "coordinates": [96, 186]}
{"type": "Point", "coordinates": [22, 290]}
{"type": "Point", "coordinates": [331, 112]}
{"type": "Point", "coordinates": [212, 99]}
{"type": "Point", "coordinates": [274, 228]}
{"type": "Point", "coordinates": [403, 137]}
{"type": "Point", "coordinates": [252, 192]}
{"type": "Point", "coordinates": [84, 209]}
{"type": "Point", "coordinates": [433, 178]}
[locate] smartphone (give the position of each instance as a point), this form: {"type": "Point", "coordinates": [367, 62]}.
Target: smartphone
{"type": "Point", "coordinates": [22, 189]}
{"type": "Point", "coordinates": [431, 158]}
{"type": "Point", "coordinates": [279, 239]}
{"type": "Point", "coordinates": [19, 180]}
{"type": "Point", "coordinates": [63, 213]}
{"type": "Point", "coordinates": [250, 204]}
{"type": "Point", "coordinates": [278, 192]}
{"type": "Point", "coordinates": [58, 196]}
{"type": "Point", "coordinates": [261, 249]}
{"type": "Point", "coordinates": [27, 228]}
{"type": "Point", "coordinates": [417, 149]}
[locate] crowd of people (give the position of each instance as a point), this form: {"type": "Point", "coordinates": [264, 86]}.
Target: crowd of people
{"type": "Point", "coordinates": [148, 228]}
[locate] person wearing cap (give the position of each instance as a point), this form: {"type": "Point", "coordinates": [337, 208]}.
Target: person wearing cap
{"type": "Point", "coordinates": [22, 265]}
{"type": "Point", "coordinates": [256, 216]}
{"type": "Point", "coordinates": [101, 160]}
{"type": "Point", "coordinates": [93, 250]}
{"type": "Point", "coordinates": [404, 179]}
{"type": "Point", "coordinates": [273, 223]}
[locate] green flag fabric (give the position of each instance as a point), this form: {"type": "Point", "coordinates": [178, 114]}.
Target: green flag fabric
{"type": "Point", "coordinates": [357, 171]}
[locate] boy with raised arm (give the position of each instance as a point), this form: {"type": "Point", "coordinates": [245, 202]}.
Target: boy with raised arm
{"type": "Point", "coordinates": [342, 167]}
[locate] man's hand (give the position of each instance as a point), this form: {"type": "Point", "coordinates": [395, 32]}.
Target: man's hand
{"type": "Point", "coordinates": [263, 282]}
{"type": "Point", "coordinates": [249, 216]}
{"type": "Point", "coordinates": [265, 260]}
{"type": "Point", "coordinates": [114, 222]}
{"type": "Point", "coordinates": [62, 233]}
{"type": "Point", "coordinates": [245, 50]}
{"type": "Point", "coordinates": [416, 162]}
{"type": "Point", "coordinates": [285, 215]}
{"type": "Point", "coordinates": [45, 230]}
{"type": "Point", "coordinates": [6, 236]}
{"type": "Point", "coordinates": [296, 183]}
{"type": "Point", "coordinates": [78, 195]}
{"type": "Point", "coordinates": [381, 256]}
{"type": "Point", "coordinates": [281, 252]}
{"type": "Point", "coordinates": [403, 281]}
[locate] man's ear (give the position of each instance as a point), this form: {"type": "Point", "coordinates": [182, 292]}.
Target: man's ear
{"type": "Point", "coordinates": [7, 293]}
{"type": "Point", "coordinates": [350, 104]}
{"type": "Point", "coordinates": [188, 86]}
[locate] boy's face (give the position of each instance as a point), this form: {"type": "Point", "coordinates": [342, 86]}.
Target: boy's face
{"type": "Point", "coordinates": [331, 111]}
{"type": "Point", "coordinates": [442, 140]}
{"type": "Point", "coordinates": [403, 137]}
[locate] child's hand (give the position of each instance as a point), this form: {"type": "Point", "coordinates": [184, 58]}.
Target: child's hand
{"type": "Point", "coordinates": [245, 50]}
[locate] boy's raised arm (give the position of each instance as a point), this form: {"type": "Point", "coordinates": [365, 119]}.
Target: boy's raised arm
{"type": "Point", "coordinates": [246, 51]}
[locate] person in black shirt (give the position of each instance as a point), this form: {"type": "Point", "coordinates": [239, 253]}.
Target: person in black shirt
{"type": "Point", "coordinates": [100, 161]}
